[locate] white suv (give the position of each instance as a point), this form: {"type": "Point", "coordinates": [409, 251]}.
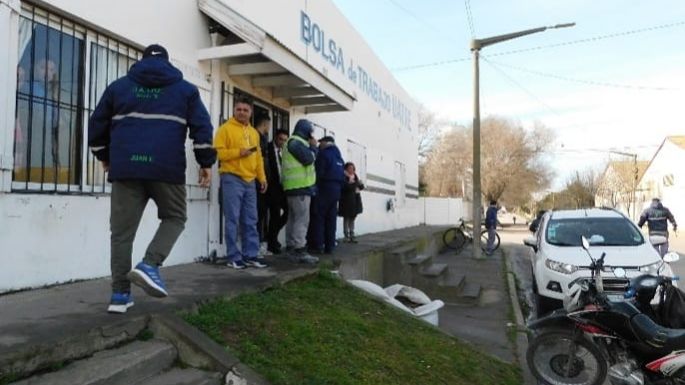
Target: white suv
{"type": "Point", "coordinates": [559, 257]}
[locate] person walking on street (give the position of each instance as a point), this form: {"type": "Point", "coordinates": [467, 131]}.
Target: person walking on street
{"type": "Point", "coordinates": [656, 216]}
{"type": "Point", "coordinates": [299, 184]}
{"type": "Point", "coordinates": [275, 196]}
{"type": "Point", "coordinates": [138, 131]}
{"type": "Point", "coordinates": [329, 181]}
{"type": "Point", "coordinates": [491, 226]}
{"type": "Point", "coordinates": [263, 125]}
{"type": "Point", "coordinates": [350, 201]}
{"type": "Point", "coordinates": [240, 164]}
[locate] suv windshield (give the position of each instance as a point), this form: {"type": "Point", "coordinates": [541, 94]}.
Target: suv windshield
{"type": "Point", "coordinates": [600, 231]}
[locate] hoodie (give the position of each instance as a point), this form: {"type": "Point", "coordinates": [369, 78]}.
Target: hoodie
{"type": "Point", "coordinates": [303, 153]}
{"type": "Point", "coordinates": [141, 122]}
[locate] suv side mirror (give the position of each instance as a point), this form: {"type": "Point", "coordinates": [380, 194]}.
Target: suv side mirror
{"type": "Point", "coordinates": [671, 257]}
{"type": "Point", "coordinates": [531, 242]}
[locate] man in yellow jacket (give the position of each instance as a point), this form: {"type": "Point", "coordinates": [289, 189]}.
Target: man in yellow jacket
{"type": "Point", "coordinates": [240, 164]}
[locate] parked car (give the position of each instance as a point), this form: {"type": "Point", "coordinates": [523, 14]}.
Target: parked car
{"type": "Point", "coordinates": [559, 257]}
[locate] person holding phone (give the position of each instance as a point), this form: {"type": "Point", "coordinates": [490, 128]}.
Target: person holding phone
{"type": "Point", "coordinates": [240, 164]}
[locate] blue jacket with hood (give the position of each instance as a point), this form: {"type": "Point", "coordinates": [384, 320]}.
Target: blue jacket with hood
{"type": "Point", "coordinates": [303, 153]}
{"type": "Point", "coordinates": [330, 173]}
{"type": "Point", "coordinates": [141, 122]}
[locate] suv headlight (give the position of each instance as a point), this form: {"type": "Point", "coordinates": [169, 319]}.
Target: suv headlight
{"type": "Point", "coordinates": [652, 268]}
{"type": "Point", "coordinates": [564, 268]}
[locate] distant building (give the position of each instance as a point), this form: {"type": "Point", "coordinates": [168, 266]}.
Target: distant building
{"type": "Point", "coordinates": [665, 177]}
{"type": "Point", "coordinates": [617, 184]}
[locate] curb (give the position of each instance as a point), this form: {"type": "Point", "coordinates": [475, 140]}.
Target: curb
{"type": "Point", "coordinates": [521, 329]}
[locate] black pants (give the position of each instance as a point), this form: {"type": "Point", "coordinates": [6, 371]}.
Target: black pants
{"type": "Point", "coordinates": [278, 217]}
{"type": "Point", "coordinates": [262, 210]}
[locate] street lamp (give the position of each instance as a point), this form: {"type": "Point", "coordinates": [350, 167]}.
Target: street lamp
{"type": "Point", "coordinates": [476, 46]}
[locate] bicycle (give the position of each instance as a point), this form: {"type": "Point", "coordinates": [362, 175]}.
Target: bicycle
{"type": "Point", "coordinates": [456, 237]}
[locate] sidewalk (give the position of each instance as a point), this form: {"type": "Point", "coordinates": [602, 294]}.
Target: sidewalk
{"type": "Point", "coordinates": [68, 321]}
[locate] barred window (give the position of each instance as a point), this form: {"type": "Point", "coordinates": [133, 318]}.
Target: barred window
{"type": "Point", "coordinates": [57, 88]}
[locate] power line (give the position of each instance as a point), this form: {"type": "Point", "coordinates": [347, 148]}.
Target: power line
{"type": "Point", "coordinates": [431, 25]}
{"type": "Point", "coordinates": [469, 17]}
{"type": "Point", "coordinates": [540, 47]}
{"type": "Point", "coordinates": [590, 82]}
{"type": "Point", "coordinates": [520, 86]}
{"type": "Point", "coordinates": [593, 39]}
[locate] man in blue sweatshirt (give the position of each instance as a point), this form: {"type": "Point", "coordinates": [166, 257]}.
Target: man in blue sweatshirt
{"type": "Point", "coordinates": [330, 176]}
{"type": "Point", "coordinates": [491, 225]}
{"type": "Point", "coordinates": [138, 132]}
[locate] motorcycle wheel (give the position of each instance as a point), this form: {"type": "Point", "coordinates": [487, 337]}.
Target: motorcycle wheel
{"type": "Point", "coordinates": [548, 358]}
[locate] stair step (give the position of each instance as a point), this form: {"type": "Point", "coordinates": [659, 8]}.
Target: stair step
{"type": "Point", "coordinates": [419, 260]}
{"type": "Point", "coordinates": [470, 292]}
{"type": "Point", "coordinates": [455, 280]}
{"type": "Point", "coordinates": [122, 366]}
{"type": "Point", "coordinates": [434, 270]}
{"type": "Point", "coordinates": [404, 250]}
{"type": "Point", "coordinates": [178, 376]}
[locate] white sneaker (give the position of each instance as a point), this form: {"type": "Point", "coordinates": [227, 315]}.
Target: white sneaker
{"type": "Point", "coordinates": [263, 250]}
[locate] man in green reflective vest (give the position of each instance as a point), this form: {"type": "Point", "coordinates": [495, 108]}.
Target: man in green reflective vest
{"type": "Point", "coordinates": [299, 184]}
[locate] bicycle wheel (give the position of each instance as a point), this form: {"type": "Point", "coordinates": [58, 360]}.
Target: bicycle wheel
{"type": "Point", "coordinates": [484, 241]}
{"type": "Point", "coordinates": [453, 238]}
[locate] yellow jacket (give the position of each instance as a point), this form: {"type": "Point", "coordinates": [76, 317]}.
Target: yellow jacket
{"type": "Point", "coordinates": [230, 138]}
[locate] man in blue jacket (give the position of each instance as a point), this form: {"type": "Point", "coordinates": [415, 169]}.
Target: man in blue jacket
{"type": "Point", "coordinates": [330, 176]}
{"type": "Point", "coordinates": [656, 216]}
{"type": "Point", "coordinates": [138, 132]}
{"type": "Point", "coordinates": [491, 226]}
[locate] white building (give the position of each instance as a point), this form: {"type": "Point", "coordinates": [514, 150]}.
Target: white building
{"type": "Point", "coordinates": [665, 177]}
{"type": "Point", "coordinates": [297, 58]}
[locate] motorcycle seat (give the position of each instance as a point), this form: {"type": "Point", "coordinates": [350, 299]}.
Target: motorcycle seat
{"type": "Point", "coordinates": [656, 335]}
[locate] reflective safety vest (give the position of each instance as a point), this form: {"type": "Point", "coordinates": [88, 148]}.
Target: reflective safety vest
{"type": "Point", "coordinates": [295, 174]}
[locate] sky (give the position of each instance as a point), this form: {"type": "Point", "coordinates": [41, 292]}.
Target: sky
{"type": "Point", "coordinates": [614, 82]}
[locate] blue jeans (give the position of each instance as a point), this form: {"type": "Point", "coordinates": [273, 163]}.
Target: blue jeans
{"type": "Point", "coordinates": [240, 206]}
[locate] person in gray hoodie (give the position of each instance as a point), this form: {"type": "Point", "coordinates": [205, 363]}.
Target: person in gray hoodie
{"type": "Point", "coordinates": [299, 184]}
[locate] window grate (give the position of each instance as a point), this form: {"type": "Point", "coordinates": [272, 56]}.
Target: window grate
{"type": "Point", "coordinates": [62, 71]}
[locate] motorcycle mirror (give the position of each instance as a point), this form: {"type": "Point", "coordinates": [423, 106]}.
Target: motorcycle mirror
{"type": "Point", "coordinates": [671, 257]}
{"type": "Point", "coordinates": [620, 272]}
{"type": "Point", "coordinates": [585, 242]}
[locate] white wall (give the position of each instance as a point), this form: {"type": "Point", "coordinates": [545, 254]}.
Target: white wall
{"type": "Point", "coordinates": [48, 239]}
{"type": "Point", "coordinates": [442, 211]}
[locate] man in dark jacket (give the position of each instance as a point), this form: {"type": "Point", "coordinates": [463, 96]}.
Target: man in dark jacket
{"type": "Point", "coordinates": [262, 124]}
{"type": "Point", "coordinates": [275, 196]}
{"type": "Point", "coordinates": [491, 225]}
{"type": "Point", "coordinates": [656, 216]}
{"type": "Point", "coordinates": [299, 184]}
{"type": "Point", "coordinates": [138, 132]}
{"type": "Point", "coordinates": [329, 183]}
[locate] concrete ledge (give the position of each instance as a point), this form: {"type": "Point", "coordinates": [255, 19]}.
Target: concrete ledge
{"type": "Point", "coordinates": [35, 357]}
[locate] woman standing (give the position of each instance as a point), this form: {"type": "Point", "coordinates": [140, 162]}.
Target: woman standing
{"type": "Point", "coordinates": [350, 201]}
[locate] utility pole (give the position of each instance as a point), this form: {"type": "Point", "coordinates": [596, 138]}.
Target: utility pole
{"type": "Point", "coordinates": [476, 46]}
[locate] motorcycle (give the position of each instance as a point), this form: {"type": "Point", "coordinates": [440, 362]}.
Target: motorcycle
{"type": "Point", "coordinates": [595, 336]}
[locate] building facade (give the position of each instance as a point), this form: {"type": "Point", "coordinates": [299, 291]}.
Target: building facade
{"type": "Point", "coordinates": [297, 59]}
{"type": "Point", "coordinates": [664, 178]}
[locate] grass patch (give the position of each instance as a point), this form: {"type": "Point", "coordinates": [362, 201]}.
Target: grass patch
{"type": "Point", "coordinates": [318, 330]}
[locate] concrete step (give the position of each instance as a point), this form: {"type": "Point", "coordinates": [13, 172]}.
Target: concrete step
{"type": "Point", "coordinates": [121, 366]}
{"type": "Point", "coordinates": [421, 260]}
{"type": "Point", "coordinates": [404, 253]}
{"type": "Point", "coordinates": [470, 294]}
{"type": "Point", "coordinates": [447, 289]}
{"type": "Point", "coordinates": [177, 376]}
{"type": "Point", "coordinates": [434, 270]}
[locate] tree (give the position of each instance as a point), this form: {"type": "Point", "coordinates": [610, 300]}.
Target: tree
{"type": "Point", "coordinates": [582, 188]}
{"type": "Point", "coordinates": [511, 164]}
{"type": "Point", "coordinates": [429, 129]}
{"type": "Point", "coordinates": [618, 183]}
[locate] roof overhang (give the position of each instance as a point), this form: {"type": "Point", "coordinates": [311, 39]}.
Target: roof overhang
{"type": "Point", "coordinates": [266, 63]}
